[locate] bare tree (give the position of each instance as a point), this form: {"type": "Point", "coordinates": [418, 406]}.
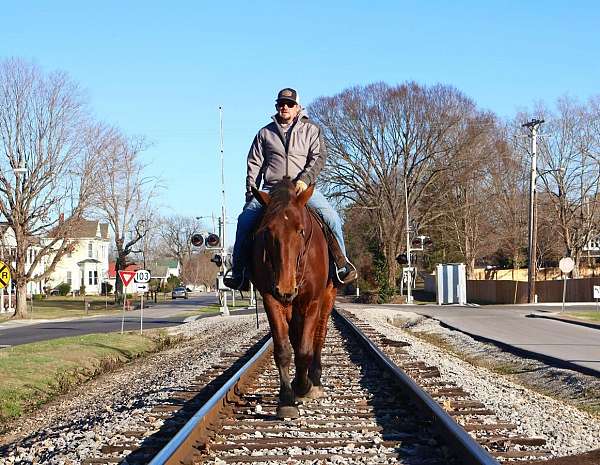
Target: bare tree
{"type": "Point", "coordinates": [464, 204]}
{"type": "Point", "coordinates": [175, 232]}
{"type": "Point", "coordinates": [199, 270]}
{"type": "Point", "coordinates": [47, 169]}
{"type": "Point", "coordinates": [124, 196]}
{"type": "Point", "coordinates": [380, 137]}
{"type": "Point", "coordinates": [570, 167]}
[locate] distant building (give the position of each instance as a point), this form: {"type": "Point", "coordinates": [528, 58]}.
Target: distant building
{"type": "Point", "coordinates": [8, 246]}
{"type": "Point", "coordinates": [112, 277]}
{"type": "Point", "coordinates": [592, 248]}
{"type": "Point", "coordinates": [87, 265]}
{"type": "Point", "coordinates": [162, 269]}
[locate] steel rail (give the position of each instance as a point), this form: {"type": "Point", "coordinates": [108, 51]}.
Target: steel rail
{"type": "Point", "coordinates": [471, 451]}
{"type": "Point", "coordinates": [168, 454]}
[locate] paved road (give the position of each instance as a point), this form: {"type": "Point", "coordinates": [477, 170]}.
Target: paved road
{"type": "Point", "coordinates": [575, 346]}
{"type": "Point", "coordinates": [161, 315]}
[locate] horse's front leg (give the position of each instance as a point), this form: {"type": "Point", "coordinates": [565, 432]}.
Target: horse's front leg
{"type": "Point", "coordinates": [279, 316]}
{"type": "Point", "coordinates": [304, 347]}
{"type": "Point", "coordinates": [314, 372]}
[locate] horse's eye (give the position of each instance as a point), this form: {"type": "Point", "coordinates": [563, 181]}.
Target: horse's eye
{"type": "Point", "coordinates": [301, 232]}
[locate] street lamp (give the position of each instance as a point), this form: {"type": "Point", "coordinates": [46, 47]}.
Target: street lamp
{"type": "Point", "coordinates": [419, 242]}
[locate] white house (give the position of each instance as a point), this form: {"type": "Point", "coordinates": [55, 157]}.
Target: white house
{"type": "Point", "coordinates": [7, 254]}
{"type": "Point", "coordinates": [87, 264]}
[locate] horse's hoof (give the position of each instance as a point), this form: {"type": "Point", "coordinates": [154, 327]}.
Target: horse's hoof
{"type": "Point", "coordinates": [315, 392]}
{"type": "Point", "coordinates": [287, 411]}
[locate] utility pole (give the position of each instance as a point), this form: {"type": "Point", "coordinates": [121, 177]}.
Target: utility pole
{"type": "Point", "coordinates": [409, 297]}
{"type": "Point", "coordinates": [223, 221]}
{"type": "Point", "coordinates": [533, 126]}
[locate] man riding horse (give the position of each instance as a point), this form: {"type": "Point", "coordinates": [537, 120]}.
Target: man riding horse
{"type": "Point", "coordinates": [293, 146]}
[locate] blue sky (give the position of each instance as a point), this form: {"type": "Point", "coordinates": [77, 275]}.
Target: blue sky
{"type": "Point", "coordinates": [161, 69]}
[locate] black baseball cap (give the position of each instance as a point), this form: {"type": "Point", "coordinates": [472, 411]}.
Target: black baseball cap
{"type": "Point", "coordinates": [288, 94]}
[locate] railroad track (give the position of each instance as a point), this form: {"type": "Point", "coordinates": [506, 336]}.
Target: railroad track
{"type": "Point", "coordinates": [369, 415]}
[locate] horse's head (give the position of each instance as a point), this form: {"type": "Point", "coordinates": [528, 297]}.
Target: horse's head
{"type": "Point", "coordinates": [283, 230]}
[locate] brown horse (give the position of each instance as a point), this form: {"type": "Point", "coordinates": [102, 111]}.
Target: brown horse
{"type": "Point", "coordinates": [290, 268]}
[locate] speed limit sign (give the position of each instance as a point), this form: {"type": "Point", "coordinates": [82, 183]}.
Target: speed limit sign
{"type": "Point", "coordinates": [142, 276]}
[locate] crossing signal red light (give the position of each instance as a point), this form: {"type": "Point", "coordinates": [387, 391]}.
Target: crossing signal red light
{"type": "Point", "coordinates": [212, 240]}
{"type": "Point", "coordinates": [197, 240]}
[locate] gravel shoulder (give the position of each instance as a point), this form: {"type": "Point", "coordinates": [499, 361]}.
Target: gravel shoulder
{"type": "Point", "coordinates": [542, 401]}
{"type": "Point", "coordinates": [75, 426]}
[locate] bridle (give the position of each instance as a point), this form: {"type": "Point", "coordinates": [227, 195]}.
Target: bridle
{"type": "Point", "coordinates": [302, 255]}
{"type": "Point", "coordinates": [301, 260]}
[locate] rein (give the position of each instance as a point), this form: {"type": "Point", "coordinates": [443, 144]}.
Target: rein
{"type": "Point", "coordinates": [302, 256]}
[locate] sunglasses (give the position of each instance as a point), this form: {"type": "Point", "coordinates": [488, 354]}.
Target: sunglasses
{"type": "Point", "coordinates": [286, 104]}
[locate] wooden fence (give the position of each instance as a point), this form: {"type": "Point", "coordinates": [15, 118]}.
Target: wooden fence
{"type": "Point", "coordinates": [511, 292]}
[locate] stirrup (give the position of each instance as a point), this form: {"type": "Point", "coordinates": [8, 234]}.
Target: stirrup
{"type": "Point", "coordinates": [237, 282]}
{"type": "Point", "coordinates": [346, 274]}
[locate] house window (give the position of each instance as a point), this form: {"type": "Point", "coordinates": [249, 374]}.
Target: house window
{"type": "Point", "coordinates": [93, 278]}
{"type": "Point", "coordinates": [69, 278]}
{"type": "Point", "coordinates": [90, 250]}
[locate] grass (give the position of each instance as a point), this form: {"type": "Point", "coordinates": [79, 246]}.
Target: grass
{"type": "Point", "coordinates": [239, 304]}
{"type": "Point", "coordinates": [588, 316]}
{"type": "Point", "coordinates": [54, 307]}
{"type": "Point", "coordinates": [31, 374]}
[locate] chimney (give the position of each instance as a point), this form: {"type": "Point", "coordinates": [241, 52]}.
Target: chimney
{"type": "Point", "coordinates": [61, 218]}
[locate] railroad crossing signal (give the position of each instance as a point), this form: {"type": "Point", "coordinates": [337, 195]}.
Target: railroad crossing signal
{"type": "Point", "coordinates": [4, 275]}
{"type": "Point", "coordinates": [209, 240]}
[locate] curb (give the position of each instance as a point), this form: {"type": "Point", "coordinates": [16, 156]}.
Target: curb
{"type": "Point", "coordinates": [565, 320]}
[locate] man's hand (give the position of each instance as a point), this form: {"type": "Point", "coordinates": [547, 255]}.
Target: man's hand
{"type": "Point", "coordinates": [300, 187]}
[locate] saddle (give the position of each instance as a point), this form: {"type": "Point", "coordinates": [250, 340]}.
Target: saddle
{"type": "Point", "coordinates": [336, 257]}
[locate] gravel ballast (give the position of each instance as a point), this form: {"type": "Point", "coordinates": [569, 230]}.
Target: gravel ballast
{"type": "Point", "coordinates": [76, 426]}
{"type": "Point", "coordinates": [567, 429]}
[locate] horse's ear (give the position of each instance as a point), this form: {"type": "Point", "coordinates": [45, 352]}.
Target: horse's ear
{"type": "Point", "coordinates": [304, 196]}
{"type": "Point", "coordinates": [263, 197]}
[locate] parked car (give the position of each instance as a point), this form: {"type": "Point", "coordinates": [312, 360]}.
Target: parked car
{"type": "Point", "coordinates": [179, 292]}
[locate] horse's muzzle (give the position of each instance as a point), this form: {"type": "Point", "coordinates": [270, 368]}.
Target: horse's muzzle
{"type": "Point", "coordinates": [284, 297]}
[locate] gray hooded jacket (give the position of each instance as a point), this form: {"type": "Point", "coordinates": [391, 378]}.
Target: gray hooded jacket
{"type": "Point", "coordinates": [266, 159]}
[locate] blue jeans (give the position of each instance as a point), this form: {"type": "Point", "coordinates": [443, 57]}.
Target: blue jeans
{"type": "Point", "coordinates": [253, 210]}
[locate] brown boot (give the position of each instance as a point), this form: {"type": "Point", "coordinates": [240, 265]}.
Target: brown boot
{"type": "Point", "coordinates": [345, 272]}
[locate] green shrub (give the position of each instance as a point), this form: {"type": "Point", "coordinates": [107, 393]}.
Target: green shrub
{"type": "Point", "coordinates": [64, 288]}
{"type": "Point", "coordinates": [39, 296]}
{"type": "Point", "coordinates": [172, 283]}
{"type": "Point", "coordinates": [82, 290]}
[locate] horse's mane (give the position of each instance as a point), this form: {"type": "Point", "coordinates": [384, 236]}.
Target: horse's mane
{"type": "Point", "coordinates": [281, 195]}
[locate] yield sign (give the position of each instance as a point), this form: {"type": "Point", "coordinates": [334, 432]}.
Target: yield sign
{"type": "Point", "coordinates": [126, 277]}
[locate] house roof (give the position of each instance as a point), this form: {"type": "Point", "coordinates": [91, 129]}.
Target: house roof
{"type": "Point", "coordinates": [111, 269]}
{"type": "Point", "coordinates": [90, 228]}
{"type": "Point", "coordinates": [158, 271]}
{"type": "Point", "coordinates": [166, 262]}
{"type": "Point", "coordinates": [84, 229]}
